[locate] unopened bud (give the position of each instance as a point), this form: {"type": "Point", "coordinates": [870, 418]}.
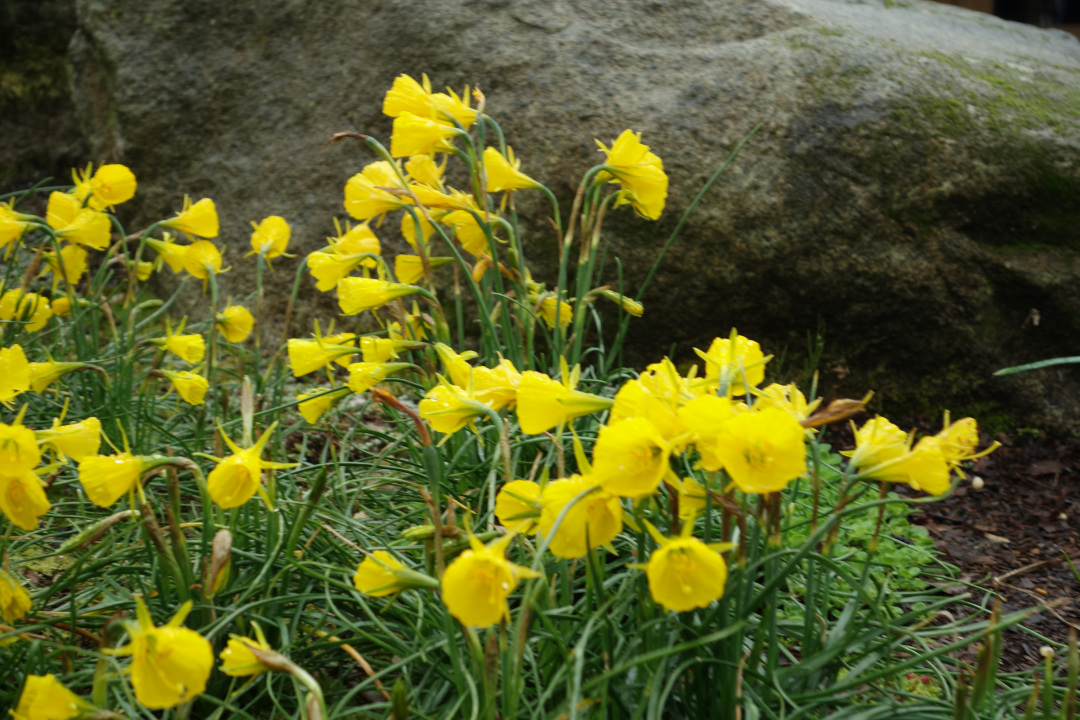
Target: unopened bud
{"type": "Point", "coordinates": [220, 563]}
{"type": "Point", "coordinates": [977, 483]}
{"type": "Point", "coordinates": [1046, 651]}
{"type": "Point", "coordinates": [95, 532]}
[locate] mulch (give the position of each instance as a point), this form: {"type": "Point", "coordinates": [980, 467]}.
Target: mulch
{"type": "Point", "coordinates": [1010, 538]}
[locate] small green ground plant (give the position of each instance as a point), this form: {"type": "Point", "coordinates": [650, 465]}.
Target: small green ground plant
{"type": "Point", "coordinates": [194, 527]}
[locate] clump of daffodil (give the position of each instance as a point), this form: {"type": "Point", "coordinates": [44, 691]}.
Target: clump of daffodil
{"type": "Point", "coordinates": [355, 295]}
{"type": "Point", "coordinates": [317, 402]}
{"type": "Point", "coordinates": [75, 441]}
{"type": "Point", "coordinates": [593, 521]}
{"type": "Point", "coordinates": [762, 451]}
{"type": "Point", "coordinates": [238, 660]}
{"type": "Point", "coordinates": [271, 237]}
{"type": "Point", "coordinates": [543, 403]}
{"type": "Point", "coordinates": [189, 348]}
{"type": "Point", "coordinates": [517, 506]}
{"type": "Point", "coordinates": [26, 307]}
{"type": "Point", "coordinates": [235, 323]}
{"type": "Point", "coordinates": [45, 698]}
{"type": "Point", "coordinates": [110, 185]}
{"type": "Point", "coordinates": [14, 600]}
{"type": "Point", "coordinates": [684, 573]}
{"type": "Point", "coordinates": [239, 476]}
{"type": "Point", "coordinates": [14, 373]}
{"type": "Point", "coordinates": [380, 574]}
{"type": "Point", "coordinates": [640, 173]}
{"type": "Point", "coordinates": [199, 219]}
{"type": "Point", "coordinates": [77, 224]}
{"type": "Point", "coordinates": [191, 387]}
{"type": "Point", "coordinates": [475, 586]}
{"type": "Point", "coordinates": [732, 364]}
{"type": "Point", "coordinates": [169, 664]}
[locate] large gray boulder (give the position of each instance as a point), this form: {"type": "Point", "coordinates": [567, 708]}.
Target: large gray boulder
{"type": "Point", "coordinates": [914, 187]}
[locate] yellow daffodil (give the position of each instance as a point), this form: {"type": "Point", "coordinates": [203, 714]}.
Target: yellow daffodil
{"type": "Point", "coordinates": [19, 451]}
{"type": "Point", "coordinates": [475, 586]}
{"type": "Point", "coordinates": [329, 269]}
{"type": "Point", "coordinates": [692, 501]}
{"type": "Point", "coordinates": [704, 417]}
{"type": "Point", "coordinates": [762, 451]}
{"type": "Point", "coordinates": [365, 196]}
{"type": "Point", "coordinates": [70, 264]}
{"type": "Point", "coordinates": [77, 224]}
{"type": "Point", "coordinates": [235, 323]}
{"type": "Point", "coordinates": [503, 173]}
{"type": "Point", "coordinates": [239, 476]}
{"type": "Point", "coordinates": [45, 698]}
{"type": "Point", "coordinates": [199, 220]}
{"type": "Point", "coordinates": [517, 506]}
{"type": "Point", "coordinates": [143, 270]}
{"type": "Point", "coordinates": [593, 521]}
{"type": "Point", "coordinates": [189, 348]}
{"type": "Point", "coordinates": [684, 573]}
{"type": "Point", "coordinates": [630, 458]}
{"type": "Point", "coordinates": [170, 664]}
{"type": "Point", "coordinates": [271, 237]}
{"type": "Point", "coordinates": [877, 441]}
{"type": "Point", "coordinates": [107, 478]}
{"type": "Point", "coordinates": [553, 311]}
{"type": "Point", "coordinates": [448, 408]}
{"type": "Point", "coordinates": [424, 170]}
{"type": "Point", "coordinates": [357, 240]}
{"type": "Point", "coordinates": [172, 253]}
{"type": "Point", "coordinates": [44, 374]}
{"type": "Point", "coordinates": [414, 329]}
{"type": "Point", "coordinates": [202, 259]}
{"type": "Point", "coordinates": [12, 224]}
{"type": "Point", "coordinates": [925, 467]}
{"type": "Point", "coordinates": [409, 269]}
{"type": "Point", "coordinates": [635, 399]}
{"type": "Point", "coordinates": [365, 375]}
{"type": "Point", "coordinates": [640, 173]}
{"type": "Point", "coordinates": [470, 233]}
{"type": "Point", "coordinates": [380, 575]}
{"type": "Point", "coordinates": [61, 306]}
{"type": "Point", "coordinates": [407, 95]}
{"type": "Point", "coordinates": [958, 441]}
{"type": "Point", "coordinates": [787, 398]}
{"type": "Point", "coordinates": [415, 135]}
{"type": "Point", "coordinates": [355, 295]}
{"type": "Point", "coordinates": [543, 403]}
{"type": "Point", "coordinates": [733, 363]}
{"type": "Point", "coordinates": [306, 356]}
{"type": "Point", "coordinates": [409, 232]}
{"type": "Point", "coordinates": [495, 387]}
{"type": "Point", "coordinates": [14, 600]}
{"type": "Point", "coordinates": [237, 659]}
{"type": "Point", "coordinates": [110, 185]}
{"type": "Point", "coordinates": [380, 350]}
{"type": "Point", "coordinates": [436, 199]}
{"type": "Point", "coordinates": [14, 373]}
{"type": "Point", "coordinates": [22, 498]}
{"type": "Point", "coordinates": [29, 308]}
{"type": "Point", "coordinates": [321, 401]}
{"type": "Point", "coordinates": [190, 386]}
{"type": "Point", "coordinates": [77, 440]}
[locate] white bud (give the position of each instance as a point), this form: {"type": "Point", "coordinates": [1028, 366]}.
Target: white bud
{"type": "Point", "coordinates": [1046, 651]}
{"type": "Point", "coordinates": [977, 483]}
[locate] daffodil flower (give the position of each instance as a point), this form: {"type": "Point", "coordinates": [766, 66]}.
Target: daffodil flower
{"type": "Point", "coordinates": [199, 219]}
{"type": "Point", "coordinates": [593, 521]}
{"type": "Point", "coordinates": [380, 575]}
{"type": "Point", "coordinates": [684, 573]}
{"type": "Point", "coordinates": [45, 698]}
{"type": "Point", "coordinates": [239, 476]}
{"type": "Point", "coordinates": [475, 586]}
{"type": "Point", "coordinates": [14, 600]}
